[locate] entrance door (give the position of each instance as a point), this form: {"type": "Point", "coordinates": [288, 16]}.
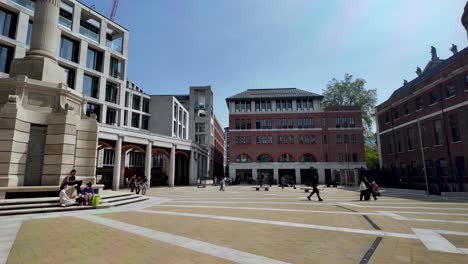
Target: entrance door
{"type": "Point", "coordinates": [35, 156]}
{"type": "Point", "coordinates": [243, 176]}
{"type": "Point", "coordinates": [328, 176]}
{"type": "Point", "coordinates": [306, 176]}
{"type": "Point", "coordinates": [289, 176]}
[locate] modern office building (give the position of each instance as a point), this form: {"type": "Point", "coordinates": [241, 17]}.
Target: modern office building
{"type": "Point", "coordinates": [285, 132]}
{"type": "Point", "coordinates": [93, 52]}
{"type": "Point", "coordinates": [226, 151]}
{"type": "Point", "coordinates": [199, 103]}
{"type": "Point", "coordinates": [423, 127]}
{"type": "Point", "coordinates": [218, 149]}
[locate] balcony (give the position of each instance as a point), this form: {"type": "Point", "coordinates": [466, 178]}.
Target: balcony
{"type": "Point", "coordinates": [26, 3]}
{"type": "Point", "coordinates": [66, 22]}
{"type": "Point", "coordinates": [88, 33]}
{"type": "Point", "coordinates": [115, 44]}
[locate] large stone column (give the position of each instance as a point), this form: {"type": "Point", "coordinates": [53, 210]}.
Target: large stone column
{"type": "Point", "coordinates": [117, 164]}
{"type": "Point", "coordinates": [148, 160]}
{"type": "Point", "coordinates": [44, 34]}
{"type": "Point", "coordinates": [172, 167]}
{"type": "Point", "coordinates": [40, 62]}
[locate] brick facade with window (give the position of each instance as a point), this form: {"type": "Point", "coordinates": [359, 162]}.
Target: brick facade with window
{"type": "Point", "coordinates": [285, 132]}
{"type": "Point", "coordinates": [432, 122]}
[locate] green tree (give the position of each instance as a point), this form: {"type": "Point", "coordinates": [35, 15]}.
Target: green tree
{"type": "Point", "coordinates": [372, 157]}
{"type": "Point", "coordinates": [349, 92]}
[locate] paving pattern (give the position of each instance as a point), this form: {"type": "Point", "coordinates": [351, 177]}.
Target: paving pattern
{"type": "Point", "coordinates": [241, 225]}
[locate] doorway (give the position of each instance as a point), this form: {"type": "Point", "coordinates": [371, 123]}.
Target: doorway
{"type": "Point", "coordinates": [35, 156]}
{"type": "Point", "coordinates": [289, 175]}
{"type": "Point", "coordinates": [244, 176]}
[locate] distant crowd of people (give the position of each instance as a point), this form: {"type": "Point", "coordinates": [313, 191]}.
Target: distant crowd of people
{"type": "Point", "coordinates": [137, 184]}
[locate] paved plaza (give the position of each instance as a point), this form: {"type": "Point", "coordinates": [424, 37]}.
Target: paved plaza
{"type": "Point", "coordinates": [241, 225]}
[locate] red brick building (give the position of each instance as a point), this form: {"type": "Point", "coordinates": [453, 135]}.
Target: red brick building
{"type": "Point", "coordinates": [423, 127]}
{"type": "Point", "coordinates": [276, 132]}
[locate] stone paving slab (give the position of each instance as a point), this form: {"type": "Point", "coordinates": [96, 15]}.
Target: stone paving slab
{"type": "Point", "coordinates": [70, 240]}
{"type": "Point", "coordinates": [293, 245]}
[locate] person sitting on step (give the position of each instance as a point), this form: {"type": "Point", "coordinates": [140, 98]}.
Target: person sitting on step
{"type": "Point", "coordinates": [67, 196]}
{"type": "Point", "coordinates": [88, 193]}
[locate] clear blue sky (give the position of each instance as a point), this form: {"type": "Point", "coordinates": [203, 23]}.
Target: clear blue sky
{"type": "Point", "coordinates": [234, 45]}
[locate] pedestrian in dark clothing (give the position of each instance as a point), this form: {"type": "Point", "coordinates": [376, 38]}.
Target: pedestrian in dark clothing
{"type": "Point", "coordinates": [138, 182]}
{"type": "Point", "coordinates": [132, 182]}
{"type": "Point", "coordinates": [315, 189]}
{"type": "Point", "coordinates": [370, 188]}
{"type": "Point", "coordinates": [363, 189]}
{"type": "Point", "coordinates": [283, 179]}
{"type": "Point", "coordinates": [269, 180]}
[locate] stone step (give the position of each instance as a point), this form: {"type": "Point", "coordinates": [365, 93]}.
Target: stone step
{"type": "Point", "coordinates": [30, 205]}
{"type": "Point", "coordinates": [28, 200]}
{"type": "Point", "coordinates": [120, 198]}
{"type": "Point", "coordinates": [45, 210]}
{"type": "Point", "coordinates": [128, 201]}
{"type": "Point", "coordinates": [115, 195]}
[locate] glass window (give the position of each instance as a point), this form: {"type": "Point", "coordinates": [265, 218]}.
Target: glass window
{"type": "Point", "coordinates": [111, 92]}
{"type": "Point", "coordinates": [90, 86]}
{"type": "Point", "coordinates": [90, 31]}
{"type": "Point", "coordinates": [466, 82]}
{"type": "Point", "coordinates": [69, 49]}
{"type": "Point", "coordinates": [339, 139]}
{"type": "Point", "coordinates": [355, 159]}
{"type": "Point", "coordinates": [69, 77]}
{"type": "Point", "coordinates": [308, 158]}
{"type": "Point", "coordinates": [434, 98]}
{"type": "Point", "coordinates": [257, 106]}
{"type": "Point", "coordinates": [264, 158]}
{"type": "Point", "coordinates": [450, 90]}
{"type": "Point", "coordinates": [298, 104]}
{"type": "Point", "coordinates": [136, 103]}
{"type": "Point", "coordinates": [127, 95]}
{"type": "Point", "coordinates": [93, 109]}
{"type": "Point", "coordinates": [278, 105]}
{"type": "Point", "coordinates": [286, 158]}
{"type": "Point", "coordinates": [406, 109]}
{"type": "Point", "coordinates": [419, 103]}
{"type": "Point", "coordinates": [337, 122]}
{"type": "Point", "coordinates": [29, 33]}
{"type": "Point", "coordinates": [438, 132]}
{"type": "Point", "coordinates": [111, 116]}
{"type": "Point", "coordinates": [352, 123]}
{"type": "Point", "coordinates": [268, 105]}
{"type": "Point", "coordinates": [299, 123]}
{"type": "Point", "coordinates": [29, 4]}
{"type": "Point", "coordinates": [65, 18]}
{"type": "Point", "coordinates": [115, 69]}
{"type": "Point", "coordinates": [243, 159]}
{"type": "Point", "coordinates": [135, 120]}
{"type": "Point", "coordinates": [146, 106]}
{"type": "Point", "coordinates": [455, 129]}
{"type": "Point", "coordinates": [8, 23]}
{"type": "Point", "coordinates": [396, 114]}
{"type": "Point", "coordinates": [353, 138]}
{"type": "Point", "coordinates": [94, 60]}
{"type": "Point", "coordinates": [410, 132]}
{"type": "Point", "coordinates": [289, 104]}
{"type": "Point", "coordinates": [237, 124]}
{"type": "Point", "coordinates": [144, 122]}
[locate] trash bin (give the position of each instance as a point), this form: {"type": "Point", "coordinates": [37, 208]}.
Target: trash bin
{"type": "Point", "coordinates": [96, 199]}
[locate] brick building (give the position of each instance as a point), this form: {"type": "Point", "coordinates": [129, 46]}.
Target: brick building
{"type": "Point", "coordinates": [423, 127]}
{"type": "Point", "coordinates": [276, 132]}
{"type": "Point", "coordinates": [218, 149]}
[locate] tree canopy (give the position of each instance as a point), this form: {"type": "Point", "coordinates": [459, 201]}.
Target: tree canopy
{"type": "Point", "coordinates": [352, 92]}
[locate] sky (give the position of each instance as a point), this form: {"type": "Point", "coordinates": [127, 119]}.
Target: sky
{"type": "Point", "coordinates": [234, 45]}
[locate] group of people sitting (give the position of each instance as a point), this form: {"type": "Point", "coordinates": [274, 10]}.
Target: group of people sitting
{"type": "Point", "coordinates": [137, 184]}
{"type": "Point", "coordinates": [368, 187]}
{"type": "Point", "coordinates": [71, 192]}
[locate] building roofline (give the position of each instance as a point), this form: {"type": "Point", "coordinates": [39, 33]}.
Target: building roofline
{"type": "Point", "coordinates": [424, 76]}
{"type": "Point", "coordinates": [102, 15]}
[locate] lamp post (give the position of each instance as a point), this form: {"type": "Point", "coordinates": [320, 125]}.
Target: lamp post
{"type": "Point", "coordinates": [423, 158]}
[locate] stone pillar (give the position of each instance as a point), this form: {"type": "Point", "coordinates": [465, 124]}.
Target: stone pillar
{"type": "Point", "coordinates": [254, 174]}
{"type": "Point", "coordinates": [148, 161]}
{"type": "Point", "coordinates": [117, 164]}
{"type": "Point", "coordinates": [298, 176]}
{"type": "Point", "coordinates": [45, 30]}
{"type": "Point", "coordinates": [192, 168]}
{"type": "Point", "coordinates": [172, 167]}
{"type": "Point", "coordinates": [275, 174]}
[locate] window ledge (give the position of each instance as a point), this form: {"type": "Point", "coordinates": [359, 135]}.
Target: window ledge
{"type": "Point", "coordinates": [456, 142]}
{"type": "Point", "coordinates": [417, 110]}
{"type": "Point", "coordinates": [434, 104]}
{"type": "Point", "coordinates": [440, 145]}
{"type": "Point", "coordinates": [450, 97]}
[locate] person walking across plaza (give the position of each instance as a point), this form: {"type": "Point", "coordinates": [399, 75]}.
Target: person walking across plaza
{"type": "Point", "coordinates": [363, 190]}
{"type": "Point", "coordinates": [283, 179]}
{"type": "Point", "coordinates": [314, 184]}
{"type": "Point", "coordinates": [370, 188]}
{"type": "Point", "coordinates": [221, 184]}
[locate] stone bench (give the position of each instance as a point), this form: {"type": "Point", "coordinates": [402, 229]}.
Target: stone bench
{"type": "Point", "coordinates": [38, 189]}
{"type": "Point", "coordinates": [257, 188]}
